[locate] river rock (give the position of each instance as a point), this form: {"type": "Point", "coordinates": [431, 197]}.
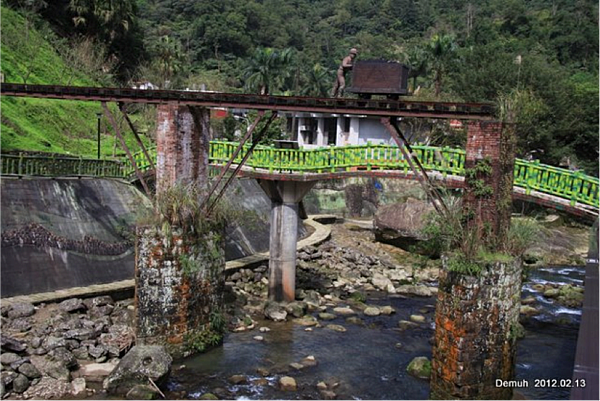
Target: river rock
{"type": "Point", "coordinates": [51, 367]}
{"type": "Point", "coordinates": [287, 383]}
{"type": "Point", "coordinates": [98, 301]}
{"type": "Point", "coordinates": [307, 320]}
{"type": "Point", "coordinates": [552, 293]}
{"type": "Point", "coordinates": [296, 365]}
{"type": "Point", "coordinates": [417, 318]}
{"type": "Point", "coordinates": [96, 372]}
{"type": "Point", "coordinates": [72, 305]}
{"type": "Point", "coordinates": [528, 310]}
{"type": "Point", "coordinates": [326, 316]}
{"type": "Point", "coordinates": [419, 367]}
{"type": "Point", "coordinates": [380, 281]}
{"type": "Point", "coordinates": [404, 325]}
{"type": "Point", "coordinates": [372, 311]}
{"type": "Point", "coordinates": [570, 296]}
{"type": "Point", "coordinates": [528, 300]}
{"type": "Point", "coordinates": [336, 327]}
{"type": "Point", "coordinates": [8, 357]}
{"type": "Point", "coordinates": [296, 308]}
{"type": "Point", "coordinates": [309, 361]}
{"type": "Point", "coordinates": [355, 320]}
{"type": "Point", "coordinates": [343, 311]}
{"type": "Point", "coordinates": [238, 379]}
{"type": "Point", "coordinates": [139, 364]}
{"type": "Point", "coordinates": [64, 357]}
{"type": "Point", "coordinates": [29, 370]}
{"type": "Point", "coordinates": [20, 384]}
{"type": "Point", "coordinates": [21, 325]}
{"type": "Point", "coordinates": [20, 309]}
{"type": "Point", "coordinates": [275, 312]}
{"type": "Point", "coordinates": [387, 310]}
{"type": "Point", "coordinates": [10, 344]}
{"type": "Point", "coordinates": [419, 290]}
{"type": "Point", "coordinates": [78, 387]}
{"type": "Point", "coordinates": [48, 388]}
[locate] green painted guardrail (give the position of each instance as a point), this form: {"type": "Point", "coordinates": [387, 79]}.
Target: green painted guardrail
{"type": "Point", "coordinates": [530, 175]}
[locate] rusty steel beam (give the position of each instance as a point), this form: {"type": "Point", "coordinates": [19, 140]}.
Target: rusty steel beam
{"type": "Point", "coordinates": [113, 122]}
{"type": "Point", "coordinates": [373, 107]}
{"type": "Point", "coordinates": [416, 166]}
{"type": "Point", "coordinates": [239, 166]}
{"type": "Point", "coordinates": [122, 107]}
{"type": "Point", "coordinates": [249, 132]}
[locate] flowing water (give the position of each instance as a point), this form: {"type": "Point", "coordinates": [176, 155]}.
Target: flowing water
{"type": "Point", "coordinates": [369, 361]}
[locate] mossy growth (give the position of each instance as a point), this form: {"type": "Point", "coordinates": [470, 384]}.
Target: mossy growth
{"type": "Point", "coordinates": [420, 367]}
{"type": "Point", "coordinates": [476, 176]}
{"type": "Point", "coordinates": [208, 336]}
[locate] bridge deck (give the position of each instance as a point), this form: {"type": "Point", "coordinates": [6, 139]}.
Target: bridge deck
{"type": "Point", "coordinates": [373, 107]}
{"type": "Point", "coordinates": [587, 358]}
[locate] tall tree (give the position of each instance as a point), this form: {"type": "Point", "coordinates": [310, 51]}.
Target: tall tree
{"type": "Point", "coordinates": [267, 69]}
{"type": "Point", "coordinates": [442, 53]}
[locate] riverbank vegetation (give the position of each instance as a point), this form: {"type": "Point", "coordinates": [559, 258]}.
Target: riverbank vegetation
{"type": "Point", "coordinates": [459, 50]}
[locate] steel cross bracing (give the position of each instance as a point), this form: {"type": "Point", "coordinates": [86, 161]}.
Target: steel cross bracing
{"type": "Point", "coordinates": [374, 107]}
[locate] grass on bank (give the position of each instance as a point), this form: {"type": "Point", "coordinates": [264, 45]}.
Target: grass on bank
{"type": "Point", "coordinates": [31, 53]}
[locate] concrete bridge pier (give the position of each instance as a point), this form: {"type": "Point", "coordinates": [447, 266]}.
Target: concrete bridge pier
{"type": "Point", "coordinates": [285, 198]}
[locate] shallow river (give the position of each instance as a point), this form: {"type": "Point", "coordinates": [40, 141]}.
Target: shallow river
{"type": "Point", "coordinates": [369, 362]}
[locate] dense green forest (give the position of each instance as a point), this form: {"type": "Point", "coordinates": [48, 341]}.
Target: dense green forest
{"type": "Point", "coordinates": [542, 52]}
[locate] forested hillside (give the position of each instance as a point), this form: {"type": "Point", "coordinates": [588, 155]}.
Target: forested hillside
{"type": "Point", "coordinates": [543, 52]}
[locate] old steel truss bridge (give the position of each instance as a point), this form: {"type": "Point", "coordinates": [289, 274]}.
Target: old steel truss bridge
{"type": "Point", "coordinates": [374, 107]}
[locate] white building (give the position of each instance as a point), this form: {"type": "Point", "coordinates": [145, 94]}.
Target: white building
{"type": "Point", "coordinates": [313, 130]}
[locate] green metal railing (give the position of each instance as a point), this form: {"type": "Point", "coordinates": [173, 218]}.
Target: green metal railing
{"type": "Point", "coordinates": [60, 166]}
{"type": "Point", "coordinates": [532, 176]}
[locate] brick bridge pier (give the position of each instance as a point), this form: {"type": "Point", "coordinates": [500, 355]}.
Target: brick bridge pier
{"type": "Point", "coordinates": [179, 271]}
{"type": "Point", "coordinates": [477, 314]}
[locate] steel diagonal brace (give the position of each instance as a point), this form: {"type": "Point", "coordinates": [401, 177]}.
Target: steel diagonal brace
{"type": "Point", "coordinates": [224, 170]}
{"type": "Point", "coordinates": [416, 166]}
{"type": "Point", "coordinates": [123, 108]}
{"type": "Point", "coordinates": [113, 122]}
{"type": "Point", "coordinates": [255, 141]}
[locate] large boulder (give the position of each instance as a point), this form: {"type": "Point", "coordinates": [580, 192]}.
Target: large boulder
{"type": "Point", "coordinates": [401, 224]}
{"type": "Point", "coordinates": [141, 363]}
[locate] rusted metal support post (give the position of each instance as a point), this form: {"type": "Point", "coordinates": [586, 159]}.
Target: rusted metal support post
{"type": "Point", "coordinates": [138, 173]}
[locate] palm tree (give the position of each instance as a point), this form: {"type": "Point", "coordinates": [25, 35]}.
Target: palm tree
{"type": "Point", "coordinates": [113, 16]}
{"type": "Point", "coordinates": [441, 50]}
{"type": "Point", "coordinates": [417, 59]}
{"type": "Point", "coordinates": [168, 56]}
{"type": "Point", "coordinates": [317, 82]}
{"type": "Point", "coordinates": [267, 69]}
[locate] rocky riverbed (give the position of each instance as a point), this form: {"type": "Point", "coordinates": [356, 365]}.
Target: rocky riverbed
{"type": "Point", "coordinates": [67, 349]}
